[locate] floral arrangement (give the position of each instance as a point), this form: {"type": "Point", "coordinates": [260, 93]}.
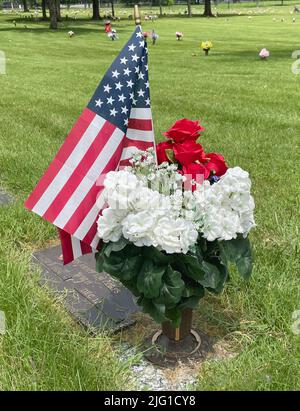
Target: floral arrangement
{"type": "Point", "coordinates": [206, 46]}
{"type": "Point", "coordinates": [264, 54]}
{"type": "Point", "coordinates": [174, 221]}
{"type": "Point", "coordinates": [179, 35]}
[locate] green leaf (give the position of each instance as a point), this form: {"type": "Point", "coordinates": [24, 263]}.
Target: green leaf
{"type": "Point", "coordinates": [189, 265]}
{"type": "Point", "coordinates": [155, 310]}
{"type": "Point", "coordinates": [149, 279]}
{"type": "Point", "coordinates": [190, 302]}
{"type": "Point", "coordinates": [193, 289]}
{"type": "Point", "coordinates": [172, 288]}
{"type": "Point", "coordinates": [170, 155]}
{"type": "Point", "coordinates": [174, 315]}
{"type": "Point", "coordinates": [212, 275]}
{"type": "Point", "coordinates": [115, 246]}
{"type": "Point", "coordinates": [158, 257]}
{"type": "Point", "coordinates": [238, 251]}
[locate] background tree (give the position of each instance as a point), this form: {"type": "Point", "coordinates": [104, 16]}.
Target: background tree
{"type": "Point", "coordinates": [189, 7]}
{"type": "Point", "coordinates": [96, 12]}
{"type": "Point", "coordinates": [26, 9]}
{"type": "Point", "coordinates": [52, 5]}
{"type": "Point", "coordinates": [112, 8]}
{"type": "Point", "coordinates": [44, 9]}
{"type": "Point", "coordinates": [207, 8]}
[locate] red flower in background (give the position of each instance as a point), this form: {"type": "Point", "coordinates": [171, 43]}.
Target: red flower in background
{"type": "Point", "coordinates": [184, 130]}
{"type": "Point", "coordinates": [161, 151]}
{"type": "Point", "coordinates": [216, 164]}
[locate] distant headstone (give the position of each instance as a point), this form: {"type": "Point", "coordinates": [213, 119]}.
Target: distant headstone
{"type": "Point", "coordinates": [5, 198]}
{"type": "Point", "coordinates": [95, 300]}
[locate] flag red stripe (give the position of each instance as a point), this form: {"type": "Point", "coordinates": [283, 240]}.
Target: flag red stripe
{"type": "Point", "coordinates": [64, 152]}
{"type": "Point", "coordinates": [140, 124]}
{"type": "Point", "coordinates": [141, 145]}
{"type": "Point", "coordinates": [79, 172]}
{"type": "Point", "coordinates": [66, 246]}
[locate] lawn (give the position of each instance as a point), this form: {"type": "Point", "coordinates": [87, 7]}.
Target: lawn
{"type": "Point", "coordinates": [250, 109]}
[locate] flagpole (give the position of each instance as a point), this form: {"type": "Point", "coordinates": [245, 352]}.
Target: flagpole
{"type": "Point", "coordinates": [137, 16]}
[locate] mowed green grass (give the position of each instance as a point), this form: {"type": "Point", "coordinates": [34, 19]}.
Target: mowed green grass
{"type": "Point", "coordinates": [250, 109]}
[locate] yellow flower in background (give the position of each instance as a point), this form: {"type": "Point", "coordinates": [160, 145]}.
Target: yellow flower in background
{"type": "Point", "coordinates": [206, 45]}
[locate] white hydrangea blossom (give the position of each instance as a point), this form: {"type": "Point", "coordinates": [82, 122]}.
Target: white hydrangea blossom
{"type": "Point", "coordinates": [147, 206]}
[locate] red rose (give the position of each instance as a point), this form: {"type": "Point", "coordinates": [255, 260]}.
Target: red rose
{"type": "Point", "coordinates": [161, 151]}
{"type": "Point", "coordinates": [197, 172]}
{"type": "Point", "coordinates": [216, 164]}
{"type": "Point", "coordinates": [184, 130]}
{"type": "Point", "coordinates": [188, 152]}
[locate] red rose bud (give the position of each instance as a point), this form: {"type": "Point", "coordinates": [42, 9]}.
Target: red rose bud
{"type": "Point", "coordinates": [184, 130]}
{"type": "Point", "coordinates": [189, 152]}
{"type": "Point", "coordinates": [161, 151]}
{"type": "Point", "coordinates": [216, 164]}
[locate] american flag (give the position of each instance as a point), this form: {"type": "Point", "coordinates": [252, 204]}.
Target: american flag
{"type": "Point", "coordinates": [116, 123]}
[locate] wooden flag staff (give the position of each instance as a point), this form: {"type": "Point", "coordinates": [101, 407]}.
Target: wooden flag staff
{"type": "Point", "coordinates": [137, 16]}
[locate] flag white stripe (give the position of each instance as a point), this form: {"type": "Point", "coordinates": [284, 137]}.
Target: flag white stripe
{"type": "Point", "coordinates": [76, 248]}
{"type": "Point", "coordinates": [141, 113]}
{"type": "Point", "coordinates": [88, 181]}
{"type": "Point", "coordinates": [128, 152]}
{"type": "Point", "coordinates": [71, 163]}
{"type": "Point", "coordinates": [139, 135]}
{"type": "Point", "coordinates": [95, 242]}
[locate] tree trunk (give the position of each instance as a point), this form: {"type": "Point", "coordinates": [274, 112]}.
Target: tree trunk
{"type": "Point", "coordinates": [207, 8]}
{"type": "Point", "coordinates": [189, 6]}
{"type": "Point", "coordinates": [53, 14]}
{"type": "Point", "coordinates": [160, 8]}
{"type": "Point", "coordinates": [112, 8]}
{"type": "Point", "coordinates": [96, 13]}
{"type": "Point", "coordinates": [26, 9]}
{"type": "Point", "coordinates": [58, 10]}
{"type": "Point", "coordinates": [44, 9]}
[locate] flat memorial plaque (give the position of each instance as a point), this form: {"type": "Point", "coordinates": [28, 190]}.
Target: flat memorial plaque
{"type": "Point", "coordinates": [96, 300]}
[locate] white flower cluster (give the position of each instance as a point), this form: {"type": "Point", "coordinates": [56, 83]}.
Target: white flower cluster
{"type": "Point", "coordinates": [143, 216]}
{"type": "Point", "coordinates": [228, 206]}
{"type": "Point", "coordinates": [141, 210]}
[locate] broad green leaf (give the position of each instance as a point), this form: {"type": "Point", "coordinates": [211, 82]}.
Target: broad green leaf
{"type": "Point", "coordinates": [172, 288]}
{"type": "Point", "coordinates": [193, 289]}
{"type": "Point", "coordinates": [238, 251]}
{"type": "Point", "coordinates": [115, 246]}
{"type": "Point", "coordinates": [190, 302]}
{"type": "Point", "coordinates": [155, 310]}
{"type": "Point", "coordinates": [149, 280]}
{"type": "Point", "coordinates": [174, 315]}
{"type": "Point", "coordinates": [156, 256]}
{"type": "Point", "coordinates": [189, 265]}
{"type": "Point", "coordinates": [212, 275]}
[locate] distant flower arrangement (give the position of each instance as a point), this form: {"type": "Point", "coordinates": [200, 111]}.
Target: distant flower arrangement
{"type": "Point", "coordinates": [71, 33]}
{"type": "Point", "coordinates": [264, 54]}
{"type": "Point", "coordinates": [206, 46]}
{"type": "Point", "coordinates": [179, 35]}
{"type": "Point", "coordinates": [113, 34]}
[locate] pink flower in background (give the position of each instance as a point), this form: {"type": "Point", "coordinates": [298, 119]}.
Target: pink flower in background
{"type": "Point", "coordinates": [264, 53]}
